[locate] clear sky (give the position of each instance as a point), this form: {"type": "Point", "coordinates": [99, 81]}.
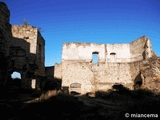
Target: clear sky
{"type": "Point", "coordinates": [97, 21]}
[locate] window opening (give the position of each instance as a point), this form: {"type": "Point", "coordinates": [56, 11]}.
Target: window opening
{"type": "Point", "coordinates": [33, 84]}
{"type": "Point", "coordinates": [95, 57]}
{"type": "Point", "coordinates": [113, 54]}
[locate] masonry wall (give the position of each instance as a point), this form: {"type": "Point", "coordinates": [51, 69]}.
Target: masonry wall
{"type": "Point", "coordinates": [5, 38]}
{"type": "Point", "coordinates": [117, 63]}
{"type": "Point", "coordinates": [82, 51]}
{"type": "Point", "coordinates": [93, 77]}
{"type": "Point", "coordinates": [138, 47]}
{"type": "Point", "coordinates": [78, 73]}
{"type": "Point", "coordinates": [5, 28]}
{"type": "Point", "coordinates": [135, 68]}
{"type": "Point", "coordinates": [28, 54]}
{"type": "Point", "coordinates": [58, 71]}
{"type": "Point", "coordinates": [28, 33]}
{"type": "Point", "coordinates": [49, 73]}
{"type": "Point", "coordinates": [112, 73]}
{"type": "Point", "coordinates": [40, 55]}
{"type": "Point", "coordinates": [122, 53]}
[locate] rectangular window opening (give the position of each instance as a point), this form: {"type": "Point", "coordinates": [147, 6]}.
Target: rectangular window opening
{"type": "Point", "coordinates": [95, 57]}
{"type": "Point", "coordinates": [33, 83]}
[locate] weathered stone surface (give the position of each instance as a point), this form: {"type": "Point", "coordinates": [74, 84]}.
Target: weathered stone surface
{"type": "Point", "coordinates": [21, 50]}
{"type": "Point", "coordinates": [5, 37]}
{"type": "Point", "coordinates": [117, 63]}
{"type": "Point", "coordinates": [150, 72]}
{"type": "Point", "coordinates": [27, 53]}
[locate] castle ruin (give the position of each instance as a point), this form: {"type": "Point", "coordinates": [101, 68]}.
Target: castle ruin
{"type": "Point", "coordinates": [27, 54]}
{"type": "Point", "coordinates": [21, 50]}
{"type": "Point", "coordinates": [117, 63]}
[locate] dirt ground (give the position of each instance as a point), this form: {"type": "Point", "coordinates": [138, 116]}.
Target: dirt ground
{"type": "Point", "coordinates": [105, 105]}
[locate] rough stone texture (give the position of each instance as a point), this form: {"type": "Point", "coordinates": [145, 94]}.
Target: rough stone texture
{"type": "Point", "coordinates": [117, 63]}
{"type": "Point", "coordinates": [77, 51]}
{"type": "Point", "coordinates": [150, 72]}
{"type": "Point", "coordinates": [49, 72]}
{"type": "Point", "coordinates": [122, 52]}
{"type": "Point", "coordinates": [27, 54]}
{"type": "Point", "coordinates": [21, 50]}
{"type": "Point", "coordinates": [141, 49]}
{"type": "Point", "coordinates": [5, 37]}
{"type": "Point", "coordinates": [58, 72]}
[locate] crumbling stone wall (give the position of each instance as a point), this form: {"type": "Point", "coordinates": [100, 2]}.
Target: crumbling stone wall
{"type": "Point", "coordinates": [49, 72]}
{"type": "Point", "coordinates": [93, 77]}
{"type": "Point", "coordinates": [5, 38]}
{"type": "Point", "coordinates": [21, 50]}
{"type": "Point", "coordinates": [82, 52]}
{"type": "Point", "coordinates": [117, 63]}
{"type": "Point", "coordinates": [27, 54]}
{"type": "Point", "coordinates": [78, 73]}
{"type": "Point", "coordinates": [57, 71]}
{"type": "Point", "coordinates": [150, 74]}
{"type": "Point", "coordinates": [118, 53]}
{"type": "Point", "coordinates": [141, 49]}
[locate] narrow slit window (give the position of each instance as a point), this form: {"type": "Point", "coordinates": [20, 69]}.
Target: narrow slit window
{"type": "Point", "coordinates": [33, 84]}
{"type": "Point", "coordinates": [95, 57]}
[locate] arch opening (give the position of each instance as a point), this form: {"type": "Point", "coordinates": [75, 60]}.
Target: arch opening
{"type": "Point", "coordinates": [16, 75]}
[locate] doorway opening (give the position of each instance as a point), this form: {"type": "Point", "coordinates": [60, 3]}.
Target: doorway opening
{"type": "Point", "coordinates": [75, 88]}
{"type": "Point", "coordinates": [15, 82]}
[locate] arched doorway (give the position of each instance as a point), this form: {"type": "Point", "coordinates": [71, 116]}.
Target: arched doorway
{"type": "Point", "coordinates": [15, 83]}
{"type": "Point", "coordinates": [75, 88]}
{"type": "Point", "coordinates": [15, 75]}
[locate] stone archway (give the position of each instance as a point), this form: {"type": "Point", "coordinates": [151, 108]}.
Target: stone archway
{"type": "Point", "coordinates": [75, 88]}
{"type": "Point", "coordinates": [16, 74]}
{"type": "Point", "coordinates": [16, 81]}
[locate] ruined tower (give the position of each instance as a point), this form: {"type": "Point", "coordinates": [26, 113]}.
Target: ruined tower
{"type": "Point", "coordinates": [27, 53]}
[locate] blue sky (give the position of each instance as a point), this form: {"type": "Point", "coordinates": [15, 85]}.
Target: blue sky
{"type": "Point", "coordinates": [97, 21]}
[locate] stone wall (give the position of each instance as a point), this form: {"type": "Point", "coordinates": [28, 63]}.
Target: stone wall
{"type": "Point", "coordinates": [93, 77]}
{"type": "Point", "coordinates": [5, 29]}
{"type": "Point", "coordinates": [135, 51]}
{"type": "Point", "coordinates": [40, 55]}
{"type": "Point", "coordinates": [118, 53]}
{"type": "Point", "coordinates": [117, 63]}
{"type": "Point", "coordinates": [78, 73]}
{"type": "Point", "coordinates": [58, 71]}
{"type": "Point", "coordinates": [139, 47]}
{"type": "Point", "coordinates": [150, 72]}
{"type": "Point", "coordinates": [5, 38]}
{"type": "Point", "coordinates": [21, 50]}
{"type": "Point", "coordinates": [28, 34]}
{"type": "Point", "coordinates": [49, 72]}
{"type": "Point", "coordinates": [83, 51]}
{"type": "Point", "coordinates": [27, 54]}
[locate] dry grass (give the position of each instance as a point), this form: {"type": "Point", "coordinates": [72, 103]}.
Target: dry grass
{"type": "Point", "coordinates": [105, 105]}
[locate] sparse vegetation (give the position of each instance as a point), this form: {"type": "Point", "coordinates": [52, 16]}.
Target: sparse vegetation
{"type": "Point", "coordinates": [26, 23]}
{"type": "Point", "coordinates": [105, 105]}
